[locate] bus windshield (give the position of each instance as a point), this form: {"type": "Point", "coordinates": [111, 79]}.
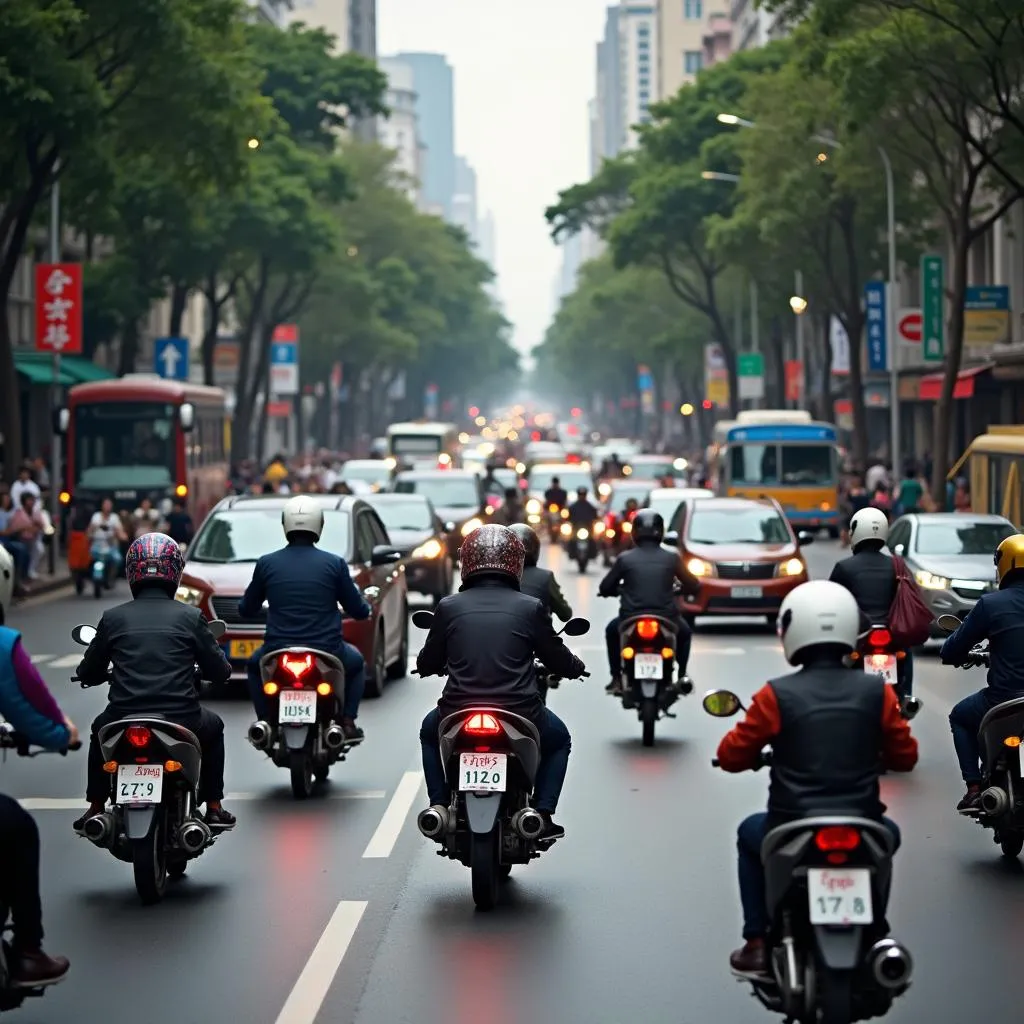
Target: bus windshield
{"type": "Point", "coordinates": [782, 464]}
{"type": "Point", "coordinates": [416, 444]}
{"type": "Point", "coordinates": [124, 445]}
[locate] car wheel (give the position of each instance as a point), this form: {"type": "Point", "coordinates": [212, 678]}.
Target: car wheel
{"type": "Point", "coordinates": [399, 668]}
{"type": "Point", "coordinates": [377, 669]}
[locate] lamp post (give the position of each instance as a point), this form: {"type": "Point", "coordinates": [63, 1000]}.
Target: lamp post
{"type": "Point", "coordinates": [798, 304]}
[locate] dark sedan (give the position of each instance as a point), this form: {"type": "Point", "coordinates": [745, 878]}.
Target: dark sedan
{"type": "Point", "coordinates": [418, 532]}
{"type": "Point", "coordinates": [457, 497]}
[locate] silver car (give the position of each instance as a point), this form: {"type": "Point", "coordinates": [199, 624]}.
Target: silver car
{"type": "Point", "coordinates": [950, 555]}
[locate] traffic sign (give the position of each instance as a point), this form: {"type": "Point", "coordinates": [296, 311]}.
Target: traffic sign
{"type": "Point", "coordinates": [170, 358]}
{"type": "Point", "coordinates": [933, 305]}
{"type": "Point", "coordinates": [908, 326]}
{"type": "Point", "coordinates": [59, 308]}
{"type": "Point", "coordinates": [874, 308]}
{"type": "Point", "coordinates": [750, 371]}
{"type": "Point", "coordinates": [284, 360]}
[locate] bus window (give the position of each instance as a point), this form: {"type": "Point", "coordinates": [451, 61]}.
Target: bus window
{"type": "Point", "coordinates": [754, 464]}
{"type": "Point", "coordinates": [808, 464]}
{"type": "Point", "coordinates": [996, 477]}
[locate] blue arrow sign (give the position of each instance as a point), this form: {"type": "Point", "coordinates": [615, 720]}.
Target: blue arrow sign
{"type": "Point", "coordinates": [170, 358]}
{"type": "Point", "coordinates": [284, 353]}
{"type": "Point", "coordinates": [874, 309]}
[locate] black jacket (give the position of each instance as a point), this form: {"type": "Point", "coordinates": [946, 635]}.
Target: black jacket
{"type": "Point", "coordinates": [871, 577]}
{"type": "Point", "coordinates": [582, 513]}
{"type": "Point", "coordinates": [486, 638]}
{"type": "Point", "coordinates": [541, 584]}
{"type": "Point", "coordinates": [642, 578]}
{"type": "Point", "coordinates": [556, 496]}
{"type": "Point", "coordinates": [153, 645]}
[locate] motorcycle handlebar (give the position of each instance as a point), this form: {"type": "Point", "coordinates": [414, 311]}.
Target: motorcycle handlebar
{"type": "Point", "coordinates": [11, 740]}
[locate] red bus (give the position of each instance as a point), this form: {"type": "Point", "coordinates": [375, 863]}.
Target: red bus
{"type": "Point", "coordinates": [140, 436]}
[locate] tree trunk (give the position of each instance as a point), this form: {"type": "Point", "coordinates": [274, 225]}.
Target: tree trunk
{"type": "Point", "coordinates": [179, 299]}
{"type": "Point", "coordinates": [129, 349]}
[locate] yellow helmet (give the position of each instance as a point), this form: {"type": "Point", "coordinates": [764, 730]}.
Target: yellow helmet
{"type": "Point", "coordinates": [1009, 556]}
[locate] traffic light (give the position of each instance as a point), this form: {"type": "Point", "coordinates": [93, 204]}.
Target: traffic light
{"type": "Point", "coordinates": [474, 411]}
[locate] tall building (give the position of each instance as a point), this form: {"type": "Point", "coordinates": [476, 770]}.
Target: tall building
{"type": "Point", "coordinates": [752, 26]}
{"type": "Point", "coordinates": [362, 27]}
{"type": "Point", "coordinates": [464, 201]}
{"type": "Point", "coordinates": [487, 241]}
{"type": "Point", "coordinates": [681, 28]}
{"type": "Point", "coordinates": [609, 131]}
{"type": "Point", "coordinates": [572, 260]}
{"type": "Point", "coordinates": [435, 110]}
{"type": "Point", "coordinates": [400, 131]}
{"type": "Point", "coordinates": [273, 12]}
{"type": "Point", "coordinates": [638, 55]}
{"type": "Point", "coordinates": [718, 34]}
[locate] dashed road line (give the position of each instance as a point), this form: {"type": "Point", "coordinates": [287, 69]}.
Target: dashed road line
{"type": "Point", "coordinates": [393, 821]}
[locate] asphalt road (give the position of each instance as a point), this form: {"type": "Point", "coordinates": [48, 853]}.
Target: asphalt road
{"type": "Point", "coordinates": [337, 911]}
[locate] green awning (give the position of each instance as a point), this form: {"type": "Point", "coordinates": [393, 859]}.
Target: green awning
{"type": "Point", "coordinates": [83, 370]}
{"type": "Point", "coordinates": [37, 368]}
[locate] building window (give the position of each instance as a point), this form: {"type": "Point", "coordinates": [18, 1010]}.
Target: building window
{"type": "Point", "coordinates": [643, 31]}
{"type": "Point", "coordinates": [644, 82]}
{"type": "Point", "coordinates": [693, 10]}
{"type": "Point", "coordinates": [644, 96]}
{"type": "Point", "coordinates": [693, 61]}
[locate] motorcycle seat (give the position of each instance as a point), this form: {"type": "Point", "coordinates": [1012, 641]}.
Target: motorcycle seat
{"type": "Point", "coordinates": [1000, 722]}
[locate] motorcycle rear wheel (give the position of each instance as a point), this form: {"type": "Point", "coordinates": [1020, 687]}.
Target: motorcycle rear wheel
{"type": "Point", "coordinates": [302, 775]}
{"type": "Point", "coordinates": [835, 996]}
{"type": "Point", "coordinates": [1011, 843]}
{"type": "Point", "coordinates": [150, 865]}
{"type": "Point", "coordinates": [484, 868]}
{"type": "Point", "coordinates": [648, 716]}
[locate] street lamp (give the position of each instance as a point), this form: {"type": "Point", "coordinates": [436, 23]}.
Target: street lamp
{"type": "Point", "coordinates": [733, 119]}
{"type": "Point", "coordinates": [797, 303]}
{"type": "Point", "coordinates": [719, 176]}
{"type": "Point", "coordinates": [253, 143]}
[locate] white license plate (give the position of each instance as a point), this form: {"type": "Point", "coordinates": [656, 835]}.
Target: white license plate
{"type": "Point", "coordinates": [840, 897]}
{"type": "Point", "coordinates": [747, 592]}
{"type": "Point", "coordinates": [648, 666]}
{"type": "Point", "coordinates": [883, 665]}
{"type": "Point", "coordinates": [482, 773]}
{"type": "Point", "coordinates": [140, 783]}
{"type": "Point", "coordinates": [296, 707]}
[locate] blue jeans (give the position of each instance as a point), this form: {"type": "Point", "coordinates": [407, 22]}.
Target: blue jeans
{"type": "Point", "coordinates": [964, 721]}
{"type": "Point", "coordinates": [753, 891]}
{"type": "Point", "coordinates": [355, 681]}
{"type": "Point", "coordinates": [554, 761]}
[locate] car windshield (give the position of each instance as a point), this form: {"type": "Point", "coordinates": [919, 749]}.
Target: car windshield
{"type": "Point", "coordinates": [665, 507]}
{"type": "Point", "coordinates": [652, 470]}
{"type": "Point", "coordinates": [955, 538]}
{"type": "Point", "coordinates": [443, 490]}
{"type": "Point", "coordinates": [411, 514]}
{"type": "Point", "coordinates": [620, 495]}
{"type": "Point", "coordinates": [738, 526]}
{"type": "Point", "coordinates": [568, 479]}
{"type": "Point", "coordinates": [238, 535]}
{"type": "Point", "coordinates": [371, 472]}
{"type": "Point", "coordinates": [124, 445]}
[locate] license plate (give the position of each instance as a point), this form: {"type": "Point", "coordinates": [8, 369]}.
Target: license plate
{"type": "Point", "coordinates": [582, 546]}
{"type": "Point", "coordinates": [648, 666]}
{"type": "Point", "coordinates": [482, 773]}
{"type": "Point", "coordinates": [883, 665]}
{"type": "Point", "coordinates": [840, 897]}
{"type": "Point", "coordinates": [747, 592]}
{"type": "Point", "coordinates": [140, 783]}
{"type": "Point", "coordinates": [243, 648]}
{"type": "Point", "coordinates": [296, 707]}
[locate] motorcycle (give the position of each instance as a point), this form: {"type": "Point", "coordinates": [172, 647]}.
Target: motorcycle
{"type": "Point", "coordinates": [305, 688]}
{"type": "Point", "coordinates": [490, 758]}
{"type": "Point", "coordinates": [831, 960]}
{"type": "Point", "coordinates": [154, 768]}
{"type": "Point", "coordinates": [581, 542]}
{"type": "Point", "coordinates": [876, 652]}
{"type": "Point", "coordinates": [556, 515]}
{"type": "Point", "coordinates": [1001, 740]}
{"type": "Point", "coordinates": [13, 995]}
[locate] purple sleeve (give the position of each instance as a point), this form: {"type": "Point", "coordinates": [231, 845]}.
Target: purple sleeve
{"type": "Point", "coordinates": [32, 686]}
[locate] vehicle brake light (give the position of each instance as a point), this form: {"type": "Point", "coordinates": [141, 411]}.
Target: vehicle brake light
{"type": "Point", "coordinates": [879, 638]}
{"type": "Point", "coordinates": [296, 667]}
{"type": "Point", "coordinates": [481, 725]}
{"type": "Point", "coordinates": [647, 629]}
{"type": "Point", "coordinates": [837, 837]}
{"type": "Point", "coordinates": [138, 735]}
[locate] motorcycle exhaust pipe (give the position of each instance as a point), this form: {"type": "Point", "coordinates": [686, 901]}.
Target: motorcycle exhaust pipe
{"type": "Point", "coordinates": [194, 835]}
{"type": "Point", "coordinates": [260, 735]}
{"type": "Point", "coordinates": [431, 822]}
{"type": "Point", "coordinates": [995, 801]}
{"type": "Point", "coordinates": [891, 964]}
{"type": "Point", "coordinates": [528, 823]}
{"type": "Point", "coordinates": [334, 737]}
{"type": "Point", "coordinates": [100, 829]}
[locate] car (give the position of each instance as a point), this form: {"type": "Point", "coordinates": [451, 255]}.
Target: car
{"type": "Point", "coordinates": [743, 551]}
{"type": "Point", "coordinates": [571, 475]}
{"type": "Point", "coordinates": [616, 533]}
{"type": "Point", "coordinates": [655, 467]}
{"type": "Point", "coordinates": [950, 555]}
{"type": "Point", "coordinates": [374, 472]}
{"type": "Point", "coordinates": [220, 560]}
{"type": "Point", "coordinates": [418, 532]}
{"type": "Point", "coordinates": [457, 496]}
{"type": "Point", "coordinates": [666, 500]}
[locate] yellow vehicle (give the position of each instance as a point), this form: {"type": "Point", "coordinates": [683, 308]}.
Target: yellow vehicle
{"type": "Point", "coordinates": [784, 455]}
{"type": "Point", "coordinates": [995, 462]}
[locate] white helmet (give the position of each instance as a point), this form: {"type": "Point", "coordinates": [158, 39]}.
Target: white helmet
{"type": "Point", "coordinates": [303, 515]}
{"type": "Point", "coordinates": [6, 582]}
{"type": "Point", "coordinates": [868, 524]}
{"type": "Point", "coordinates": [819, 612]}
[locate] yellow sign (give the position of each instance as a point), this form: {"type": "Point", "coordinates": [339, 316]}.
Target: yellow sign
{"type": "Point", "coordinates": [985, 327]}
{"type": "Point", "coordinates": [717, 390]}
{"type": "Point", "coordinates": [244, 648]}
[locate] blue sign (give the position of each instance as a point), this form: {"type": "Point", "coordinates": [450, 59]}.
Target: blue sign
{"type": "Point", "coordinates": [170, 358]}
{"type": "Point", "coordinates": [644, 379]}
{"type": "Point", "coordinates": [783, 432]}
{"type": "Point", "coordinates": [987, 297]}
{"type": "Point", "coordinates": [874, 310]}
{"type": "Point", "coordinates": [284, 353]}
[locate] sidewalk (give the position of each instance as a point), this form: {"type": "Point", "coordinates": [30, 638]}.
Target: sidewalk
{"type": "Point", "coordinates": [47, 583]}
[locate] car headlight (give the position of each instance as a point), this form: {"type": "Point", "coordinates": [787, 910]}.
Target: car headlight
{"type": "Point", "coordinates": [582, 534]}
{"type": "Point", "coordinates": [565, 513]}
{"type": "Point", "coordinates": [698, 567]}
{"type": "Point", "coordinates": [533, 506]}
{"type": "Point", "coordinates": [469, 527]}
{"type": "Point", "coordinates": [188, 595]}
{"type": "Point", "coordinates": [792, 567]}
{"type": "Point", "coordinates": [431, 549]}
{"type": "Point", "coordinates": [604, 490]}
{"type": "Point", "coordinates": [930, 581]}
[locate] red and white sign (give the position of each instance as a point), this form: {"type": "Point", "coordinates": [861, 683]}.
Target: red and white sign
{"type": "Point", "coordinates": [794, 380]}
{"type": "Point", "coordinates": [909, 326]}
{"type": "Point", "coordinates": [59, 308]}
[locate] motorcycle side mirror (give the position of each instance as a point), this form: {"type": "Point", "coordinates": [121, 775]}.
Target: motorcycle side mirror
{"type": "Point", "coordinates": [898, 550]}
{"type": "Point", "coordinates": [218, 627]}
{"type": "Point", "coordinates": [803, 538]}
{"type": "Point", "coordinates": [948, 623]}
{"type": "Point", "coordinates": [575, 627]}
{"type": "Point", "coordinates": [722, 703]}
{"type": "Point", "coordinates": [83, 635]}
{"type": "Point", "coordinates": [422, 619]}
{"type": "Point", "coordinates": [671, 538]}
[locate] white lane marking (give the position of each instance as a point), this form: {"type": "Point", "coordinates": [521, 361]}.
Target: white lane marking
{"type": "Point", "coordinates": [41, 659]}
{"type": "Point", "coordinates": [709, 651]}
{"type": "Point", "coordinates": [306, 998]}
{"type": "Point", "coordinates": [393, 821]}
{"type": "Point", "coordinates": [68, 661]}
{"type": "Point", "coordinates": [45, 803]}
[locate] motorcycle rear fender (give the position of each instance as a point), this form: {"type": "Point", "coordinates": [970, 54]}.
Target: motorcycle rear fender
{"type": "Point", "coordinates": [295, 736]}
{"type": "Point", "coordinates": [138, 821]}
{"type": "Point", "coordinates": [520, 735]}
{"type": "Point", "coordinates": [171, 742]}
{"type": "Point", "coordinates": [649, 687]}
{"type": "Point", "coordinates": [839, 948]}
{"type": "Point", "coordinates": [482, 812]}
{"type": "Point", "coordinates": [1006, 719]}
{"type": "Point", "coordinates": [328, 665]}
{"type": "Point", "coordinates": [668, 629]}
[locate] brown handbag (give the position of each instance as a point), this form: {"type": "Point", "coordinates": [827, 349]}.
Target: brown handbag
{"type": "Point", "coordinates": [910, 619]}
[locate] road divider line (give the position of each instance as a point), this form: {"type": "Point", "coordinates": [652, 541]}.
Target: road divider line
{"type": "Point", "coordinates": [393, 821]}
{"type": "Point", "coordinates": [42, 659]}
{"type": "Point", "coordinates": [304, 1002]}
{"type": "Point", "coordinates": [45, 803]}
{"type": "Point", "coordinates": [68, 661]}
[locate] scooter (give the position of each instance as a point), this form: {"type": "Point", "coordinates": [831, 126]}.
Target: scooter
{"type": "Point", "coordinates": [875, 651]}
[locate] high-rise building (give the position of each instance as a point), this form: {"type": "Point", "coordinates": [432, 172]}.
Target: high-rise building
{"type": "Point", "coordinates": [273, 12]}
{"type": "Point", "coordinates": [638, 56]}
{"type": "Point", "coordinates": [362, 27]}
{"type": "Point", "coordinates": [681, 28]}
{"type": "Point", "coordinates": [609, 132]}
{"type": "Point", "coordinates": [572, 260]}
{"type": "Point", "coordinates": [464, 201]}
{"type": "Point", "coordinates": [435, 110]}
{"type": "Point", "coordinates": [752, 25]}
{"type": "Point", "coordinates": [400, 131]}
{"type": "Point", "coordinates": [487, 241]}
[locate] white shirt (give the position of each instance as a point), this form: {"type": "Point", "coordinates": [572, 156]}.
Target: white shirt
{"type": "Point", "coordinates": [20, 487]}
{"type": "Point", "coordinates": [105, 530]}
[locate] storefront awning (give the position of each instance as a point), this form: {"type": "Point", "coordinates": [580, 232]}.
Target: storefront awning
{"type": "Point", "coordinates": [931, 384]}
{"type": "Point", "coordinates": [37, 368]}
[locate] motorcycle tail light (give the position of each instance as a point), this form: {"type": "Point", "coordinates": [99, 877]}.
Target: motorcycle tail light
{"type": "Point", "coordinates": [324, 689]}
{"type": "Point", "coordinates": [647, 629]}
{"type": "Point", "coordinates": [270, 689]}
{"type": "Point", "coordinates": [297, 668]}
{"type": "Point", "coordinates": [481, 724]}
{"type": "Point", "coordinates": [138, 736]}
{"type": "Point", "coordinates": [627, 527]}
{"type": "Point", "coordinates": [837, 837]}
{"type": "Point", "coordinates": [879, 638]}
{"type": "Point", "coordinates": [667, 652]}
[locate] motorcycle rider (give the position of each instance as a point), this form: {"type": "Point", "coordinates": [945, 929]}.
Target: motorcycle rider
{"type": "Point", "coordinates": [643, 578]}
{"type": "Point", "coordinates": [537, 582]}
{"type": "Point", "coordinates": [999, 618]}
{"type": "Point", "coordinates": [581, 511]}
{"type": "Point", "coordinates": [491, 484]}
{"type": "Point", "coordinates": [870, 576]}
{"type": "Point", "coordinates": [826, 726]}
{"type": "Point", "coordinates": [556, 494]}
{"type": "Point", "coordinates": [501, 671]}
{"type": "Point", "coordinates": [303, 586]}
{"type": "Point", "coordinates": [29, 708]}
{"type": "Point", "coordinates": [153, 644]}
{"type": "Point", "coordinates": [512, 511]}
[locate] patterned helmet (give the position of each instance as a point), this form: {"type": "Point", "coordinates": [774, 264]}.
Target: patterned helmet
{"type": "Point", "coordinates": [530, 541]}
{"type": "Point", "coordinates": [154, 559]}
{"type": "Point", "coordinates": [492, 548]}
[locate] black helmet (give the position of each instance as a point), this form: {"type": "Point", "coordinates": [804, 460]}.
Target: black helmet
{"type": "Point", "coordinates": [581, 491]}
{"type": "Point", "coordinates": [648, 525]}
{"type": "Point", "coordinates": [530, 541]}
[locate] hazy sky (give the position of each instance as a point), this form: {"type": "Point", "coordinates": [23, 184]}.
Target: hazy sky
{"type": "Point", "coordinates": [524, 73]}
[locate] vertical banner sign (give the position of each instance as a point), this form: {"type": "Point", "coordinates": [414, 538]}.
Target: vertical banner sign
{"type": "Point", "coordinates": [750, 374]}
{"type": "Point", "coordinates": [716, 376]}
{"type": "Point", "coordinates": [933, 326]}
{"type": "Point", "coordinates": [284, 360]}
{"type": "Point", "coordinates": [645, 385]}
{"type": "Point", "coordinates": [874, 311]}
{"type": "Point", "coordinates": [59, 308]}
{"type": "Point", "coordinates": [430, 402]}
{"type": "Point", "coordinates": [794, 380]}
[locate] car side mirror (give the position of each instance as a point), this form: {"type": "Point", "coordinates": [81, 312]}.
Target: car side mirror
{"type": "Point", "coordinates": [803, 538]}
{"type": "Point", "coordinates": [187, 416]}
{"type": "Point", "coordinates": [671, 538]}
{"type": "Point", "coordinates": [384, 554]}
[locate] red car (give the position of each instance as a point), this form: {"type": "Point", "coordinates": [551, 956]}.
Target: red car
{"type": "Point", "coordinates": [239, 530]}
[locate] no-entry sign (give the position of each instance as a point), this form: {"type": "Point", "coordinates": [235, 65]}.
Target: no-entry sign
{"type": "Point", "coordinates": [909, 326]}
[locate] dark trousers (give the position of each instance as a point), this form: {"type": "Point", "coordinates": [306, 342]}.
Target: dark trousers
{"type": "Point", "coordinates": [19, 875]}
{"type": "Point", "coordinates": [555, 744]}
{"type": "Point", "coordinates": [753, 891]}
{"type": "Point", "coordinates": [209, 730]}
{"type": "Point", "coordinates": [355, 681]}
{"type": "Point", "coordinates": [684, 637]}
{"type": "Point", "coordinates": [964, 721]}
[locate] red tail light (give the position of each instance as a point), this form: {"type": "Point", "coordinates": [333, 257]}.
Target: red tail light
{"type": "Point", "coordinates": [647, 629]}
{"type": "Point", "coordinates": [573, 458]}
{"type": "Point", "coordinates": [481, 725]}
{"type": "Point", "coordinates": [138, 735]}
{"type": "Point", "coordinates": [837, 837]}
{"type": "Point", "coordinates": [879, 638]}
{"type": "Point", "coordinates": [296, 667]}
